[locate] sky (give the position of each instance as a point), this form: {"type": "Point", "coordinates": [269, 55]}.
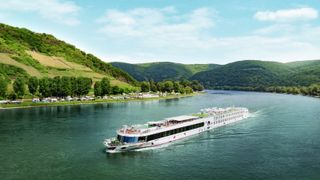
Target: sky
{"type": "Point", "coordinates": [182, 31]}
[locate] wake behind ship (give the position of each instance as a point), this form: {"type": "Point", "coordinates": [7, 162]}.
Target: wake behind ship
{"type": "Point", "coordinates": [157, 133]}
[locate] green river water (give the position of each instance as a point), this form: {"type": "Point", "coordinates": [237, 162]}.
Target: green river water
{"type": "Point", "coordinates": [281, 140]}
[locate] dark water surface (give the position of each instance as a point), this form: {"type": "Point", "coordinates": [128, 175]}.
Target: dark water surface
{"type": "Point", "coordinates": [280, 141]}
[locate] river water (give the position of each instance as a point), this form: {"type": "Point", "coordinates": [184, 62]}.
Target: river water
{"type": "Point", "coordinates": [281, 140]}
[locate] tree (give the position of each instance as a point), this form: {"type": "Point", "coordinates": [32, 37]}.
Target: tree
{"type": "Point", "coordinates": [83, 85]}
{"type": "Point", "coordinates": [304, 90]}
{"type": "Point", "coordinates": [45, 87]}
{"type": "Point", "coordinates": [196, 86]}
{"type": "Point", "coordinates": [160, 86]}
{"type": "Point", "coordinates": [66, 89]}
{"type": "Point", "coordinates": [33, 84]}
{"type": "Point", "coordinates": [129, 90]}
{"type": "Point", "coordinates": [182, 90]}
{"type": "Point", "coordinates": [188, 90]}
{"type": "Point", "coordinates": [56, 86]}
{"type": "Point", "coordinates": [19, 86]}
{"type": "Point", "coordinates": [145, 86]}
{"type": "Point", "coordinates": [3, 87]}
{"type": "Point", "coordinates": [74, 86]}
{"type": "Point", "coordinates": [97, 89]}
{"type": "Point", "coordinates": [314, 90]}
{"type": "Point", "coordinates": [117, 90]}
{"type": "Point", "coordinates": [168, 86]}
{"type": "Point", "coordinates": [177, 87]}
{"type": "Point", "coordinates": [105, 86]}
{"type": "Point", "coordinates": [153, 86]}
{"type": "Point", "coordinates": [185, 83]}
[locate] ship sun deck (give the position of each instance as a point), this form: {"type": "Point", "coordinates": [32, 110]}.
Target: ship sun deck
{"type": "Point", "coordinates": [156, 125]}
{"type": "Point", "coordinates": [136, 130]}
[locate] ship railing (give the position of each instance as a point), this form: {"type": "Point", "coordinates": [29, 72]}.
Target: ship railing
{"type": "Point", "coordinates": [112, 142]}
{"type": "Point", "coordinates": [130, 130]}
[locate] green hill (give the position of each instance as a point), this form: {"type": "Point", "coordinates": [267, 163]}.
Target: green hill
{"type": "Point", "coordinates": [23, 52]}
{"type": "Point", "coordinates": [253, 73]}
{"type": "Point", "coordinates": [306, 72]}
{"type": "Point", "coordinates": [160, 71]}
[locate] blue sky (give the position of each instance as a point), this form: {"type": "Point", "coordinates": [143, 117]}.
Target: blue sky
{"type": "Point", "coordinates": [201, 31]}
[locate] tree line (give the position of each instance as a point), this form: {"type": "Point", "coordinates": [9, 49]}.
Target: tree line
{"type": "Point", "coordinates": [312, 90]}
{"type": "Point", "coordinates": [57, 87]}
{"type": "Point", "coordinates": [46, 87]}
{"type": "Point", "coordinates": [103, 87]}
{"type": "Point", "coordinates": [80, 86]}
{"type": "Point", "coordinates": [182, 87]}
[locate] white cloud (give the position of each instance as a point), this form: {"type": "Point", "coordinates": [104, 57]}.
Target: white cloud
{"type": "Point", "coordinates": [276, 29]}
{"type": "Point", "coordinates": [151, 23]}
{"type": "Point", "coordinates": [285, 15]}
{"type": "Point", "coordinates": [146, 35]}
{"type": "Point", "coordinates": [54, 10]}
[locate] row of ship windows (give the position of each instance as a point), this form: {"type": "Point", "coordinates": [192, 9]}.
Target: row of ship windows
{"type": "Point", "coordinates": [220, 117]}
{"type": "Point", "coordinates": [171, 132]}
{"type": "Point", "coordinates": [223, 120]}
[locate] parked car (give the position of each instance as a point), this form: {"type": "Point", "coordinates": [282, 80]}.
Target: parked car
{"type": "Point", "coordinates": [4, 102]}
{"type": "Point", "coordinates": [16, 102]}
{"type": "Point", "coordinates": [35, 100]}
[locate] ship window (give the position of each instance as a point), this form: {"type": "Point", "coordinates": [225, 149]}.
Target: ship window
{"type": "Point", "coordinates": [119, 138]}
{"type": "Point", "coordinates": [142, 138]}
{"type": "Point", "coordinates": [171, 132]}
{"type": "Point", "coordinates": [128, 139]}
{"type": "Point", "coordinates": [162, 134]}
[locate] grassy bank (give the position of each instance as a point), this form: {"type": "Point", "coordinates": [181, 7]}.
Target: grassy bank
{"type": "Point", "coordinates": [27, 103]}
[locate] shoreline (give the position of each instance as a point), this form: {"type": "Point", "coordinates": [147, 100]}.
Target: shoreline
{"type": "Point", "coordinates": [29, 104]}
{"type": "Point", "coordinates": [298, 94]}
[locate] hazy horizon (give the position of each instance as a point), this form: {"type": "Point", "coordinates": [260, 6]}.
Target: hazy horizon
{"type": "Point", "coordinates": [214, 63]}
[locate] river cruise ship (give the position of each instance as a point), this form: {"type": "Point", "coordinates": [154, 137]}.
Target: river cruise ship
{"type": "Point", "coordinates": [156, 133]}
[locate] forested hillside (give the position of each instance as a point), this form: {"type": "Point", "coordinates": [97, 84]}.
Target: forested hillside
{"type": "Point", "coordinates": [160, 71]}
{"type": "Point", "coordinates": [251, 73]}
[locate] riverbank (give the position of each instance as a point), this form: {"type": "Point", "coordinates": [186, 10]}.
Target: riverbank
{"type": "Point", "coordinates": [29, 104]}
{"type": "Point", "coordinates": [315, 94]}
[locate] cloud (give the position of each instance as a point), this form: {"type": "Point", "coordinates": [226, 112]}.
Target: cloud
{"type": "Point", "coordinates": [278, 29]}
{"type": "Point", "coordinates": [152, 32]}
{"type": "Point", "coordinates": [286, 15]}
{"type": "Point", "coordinates": [54, 10]}
{"type": "Point", "coordinates": [166, 34]}
{"type": "Point", "coordinates": [150, 23]}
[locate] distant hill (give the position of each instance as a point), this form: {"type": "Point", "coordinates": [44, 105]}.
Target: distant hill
{"type": "Point", "coordinates": [247, 73]}
{"type": "Point", "coordinates": [160, 71]}
{"type": "Point", "coordinates": [253, 73]}
{"type": "Point", "coordinates": [23, 52]}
